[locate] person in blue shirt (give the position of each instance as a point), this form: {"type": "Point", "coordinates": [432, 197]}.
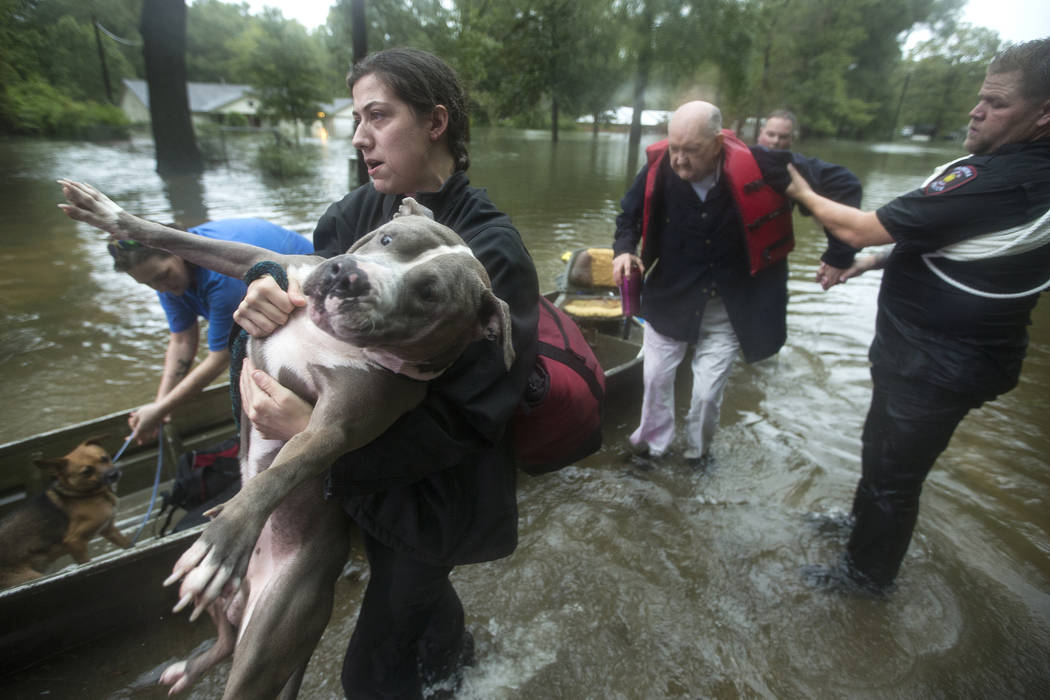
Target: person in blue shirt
{"type": "Point", "coordinates": [187, 293]}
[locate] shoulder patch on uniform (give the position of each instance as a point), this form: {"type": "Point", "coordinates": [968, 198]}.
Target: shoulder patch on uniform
{"type": "Point", "coordinates": [951, 178]}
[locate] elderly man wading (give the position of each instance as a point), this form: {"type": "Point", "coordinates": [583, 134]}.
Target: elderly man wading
{"type": "Point", "coordinates": [714, 232]}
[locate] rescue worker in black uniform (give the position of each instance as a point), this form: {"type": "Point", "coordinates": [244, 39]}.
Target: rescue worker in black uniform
{"type": "Point", "coordinates": [971, 254]}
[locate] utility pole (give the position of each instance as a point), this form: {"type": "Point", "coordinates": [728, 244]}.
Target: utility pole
{"type": "Point", "coordinates": [900, 103]}
{"type": "Point", "coordinates": [102, 60]}
{"type": "Point", "coordinates": [359, 34]}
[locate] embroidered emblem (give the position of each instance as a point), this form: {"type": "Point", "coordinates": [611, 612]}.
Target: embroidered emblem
{"type": "Point", "coordinates": [950, 179]}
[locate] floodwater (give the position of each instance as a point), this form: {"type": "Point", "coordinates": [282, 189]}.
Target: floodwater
{"type": "Point", "coordinates": [664, 585]}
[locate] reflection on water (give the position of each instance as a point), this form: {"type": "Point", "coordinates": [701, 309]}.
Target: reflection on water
{"type": "Point", "coordinates": [662, 585]}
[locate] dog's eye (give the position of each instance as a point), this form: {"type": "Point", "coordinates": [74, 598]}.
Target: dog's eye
{"type": "Point", "coordinates": [87, 471]}
{"type": "Point", "coordinates": [387, 239]}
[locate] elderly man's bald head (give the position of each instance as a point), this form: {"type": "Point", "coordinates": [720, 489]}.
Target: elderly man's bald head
{"type": "Point", "coordinates": [697, 117]}
{"type": "Point", "coordinates": [694, 137]}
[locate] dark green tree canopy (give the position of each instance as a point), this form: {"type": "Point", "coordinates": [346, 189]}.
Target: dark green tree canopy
{"type": "Point", "coordinates": [838, 64]}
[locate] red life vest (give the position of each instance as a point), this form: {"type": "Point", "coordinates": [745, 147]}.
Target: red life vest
{"type": "Point", "coordinates": [765, 215]}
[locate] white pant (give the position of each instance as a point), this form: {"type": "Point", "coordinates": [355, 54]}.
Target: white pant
{"type": "Point", "coordinates": [716, 348]}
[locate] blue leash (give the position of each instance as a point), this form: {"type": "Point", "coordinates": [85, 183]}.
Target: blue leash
{"type": "Point", "coordinates": [156, 479]}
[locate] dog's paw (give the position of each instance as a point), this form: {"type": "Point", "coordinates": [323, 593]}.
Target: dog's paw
{"type": "Point", "coordinates": [87, 204]}
{"type": "Point", "coordinates": [215, 564]}
{"type": "Point", "coordinates": [175, 677]}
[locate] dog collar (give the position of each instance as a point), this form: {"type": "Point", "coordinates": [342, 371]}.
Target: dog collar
{"type": "Point", "coordinates": [397, 365]}
{"type": "Point", "coordinates": [66, 493]}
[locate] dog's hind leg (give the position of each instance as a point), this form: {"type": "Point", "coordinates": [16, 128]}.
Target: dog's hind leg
{"type": "Point", "coordinates": [291, 688]}
{"type": "Point", "coordinates": [183, 674]}
{"type": "Point", "coordinates": [294, 604]}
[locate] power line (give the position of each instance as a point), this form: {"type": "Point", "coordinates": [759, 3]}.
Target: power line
{"type": "Point", "coordinates": [116, 38]}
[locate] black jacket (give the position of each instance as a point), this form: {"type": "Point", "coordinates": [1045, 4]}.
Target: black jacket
{"type": "Point", "coordinates": [928, 330]}
{"type": "Point", "coordinates": [700, 252]}
{"type": "Point", "coordinates": [440, 483]}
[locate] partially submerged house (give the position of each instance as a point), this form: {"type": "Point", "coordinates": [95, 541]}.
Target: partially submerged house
{"type": "Point", "coordinates": [337, 117]}
{"type": "Point", "coordinates": [214, 102]}
{"type": "Point", "coordinates": [619, 119]}
{"type": "Point", "coordinates": [218, 102]}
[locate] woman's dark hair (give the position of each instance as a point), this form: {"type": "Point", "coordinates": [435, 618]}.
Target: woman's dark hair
{"type": "Point", "coordinates": [127, 254]}
{"type": "Point", "coordinates": [423, 81]}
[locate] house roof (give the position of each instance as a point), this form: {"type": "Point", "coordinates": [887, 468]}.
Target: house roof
{"type": "Point", "coordinates": [337, 107]}
{"type": "Point", "coordinates": [204, 97]}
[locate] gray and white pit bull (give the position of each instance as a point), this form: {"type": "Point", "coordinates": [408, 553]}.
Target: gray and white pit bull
{"type": "Point", "coordinates": [395, 310]}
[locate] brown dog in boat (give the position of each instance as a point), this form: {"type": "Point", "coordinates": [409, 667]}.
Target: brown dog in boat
{"type": "Point", "coordinates": [78, 505]}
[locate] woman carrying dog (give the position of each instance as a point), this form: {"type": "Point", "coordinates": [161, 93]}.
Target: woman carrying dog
{"type": "Point", "coordinates": [438, 488]}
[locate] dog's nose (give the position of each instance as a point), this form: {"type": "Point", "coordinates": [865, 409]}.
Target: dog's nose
{"type": "Point", "coordinates": [346, 280]}
{"type": "Point", "coordinates": [111, 476]}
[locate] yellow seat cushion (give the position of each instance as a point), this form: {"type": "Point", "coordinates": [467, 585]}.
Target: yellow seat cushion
{"type": "Point", "coordinates": [593, 308]}
{"type": "Point", "coordinates": [592, 267]}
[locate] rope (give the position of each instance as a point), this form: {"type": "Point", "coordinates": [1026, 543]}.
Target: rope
{"type": "Point", "coordinates": [156, 483]}
{"type": "Point", "coordinates": [156, 479]}
{"type": "Point", "coordinates": [1012, 241]}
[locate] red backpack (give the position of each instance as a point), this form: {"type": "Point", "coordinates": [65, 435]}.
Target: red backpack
{"type": "Point", "coordinates": [560, 419]}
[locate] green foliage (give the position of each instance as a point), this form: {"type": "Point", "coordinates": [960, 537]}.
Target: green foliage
{"type": "Point", "coordinates": [284, 67]}
{"type": "Point", "coordinates": [942, 78]}
{"type": "Point", "coordinates": [284, 160]}
{"type": "Point", "coordinates": [51, 71]}
{"type": "Point", "coordinates": [210, 142]}
{"type": "Point", "coordinates": [37, 108]}
{"type": "Point", "coordinates": [210, 26]}
{"type": "Point", "coordinates": [534, 63]}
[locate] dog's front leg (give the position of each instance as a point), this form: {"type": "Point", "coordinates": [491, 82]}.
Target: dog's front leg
{"type": "Point", "coordinates": [354, 408]}
{"type": "Point", "coordinates": [114, 535]}
{"type": "Point", "coordinates": [85, 203]}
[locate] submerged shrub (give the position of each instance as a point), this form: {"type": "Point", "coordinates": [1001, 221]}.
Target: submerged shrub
{"type": "Point", "coordinates": [284, 159]}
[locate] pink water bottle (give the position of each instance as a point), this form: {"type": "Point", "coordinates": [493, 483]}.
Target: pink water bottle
{"type": "Point", "coordinates": [630, 298]}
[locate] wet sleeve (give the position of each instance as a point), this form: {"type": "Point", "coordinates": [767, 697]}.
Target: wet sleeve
{"type": "Point", "coordinates": [838, 184]}
{"type": "Point", "coordinates": [629, 221]}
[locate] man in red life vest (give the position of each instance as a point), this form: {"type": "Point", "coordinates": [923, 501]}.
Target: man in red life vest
{"type": "Point", "coordinates": [715, 231]}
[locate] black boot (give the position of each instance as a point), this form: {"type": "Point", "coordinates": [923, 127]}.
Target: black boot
{"type": "Point", "coordinates": [883, 522]}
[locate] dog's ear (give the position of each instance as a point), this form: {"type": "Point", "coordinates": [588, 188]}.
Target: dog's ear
{"type": "Point", "coordinates": [410, 207]}
{"type": "Point", "coordinates": [52, 467]}
{"type": "Point", "coordinates": [494, 315]}
{"type": "Point", "coordinates": [97, 440]}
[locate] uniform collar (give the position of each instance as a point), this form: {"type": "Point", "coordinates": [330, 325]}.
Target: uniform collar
{"type": "Point", "coordinates": [1022, 146]}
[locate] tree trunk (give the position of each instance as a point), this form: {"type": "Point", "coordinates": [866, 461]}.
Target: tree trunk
{"type": "Point", "coordinates": [641, 81]}
{"type": "Point", "coordinates": [554, 119]}
{"type": "Point", "coordinates": [163, 28]}
{"type": "Point", "coordinates": [359, 36]}
{"type": "Point", "coordinates": [763, 90]}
